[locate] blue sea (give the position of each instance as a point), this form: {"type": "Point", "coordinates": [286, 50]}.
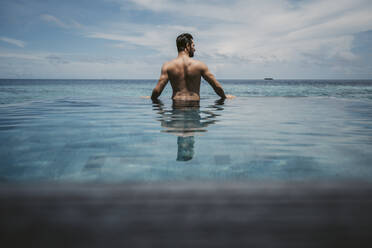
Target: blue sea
{"type": "Point", "coordinates": [104, 131]}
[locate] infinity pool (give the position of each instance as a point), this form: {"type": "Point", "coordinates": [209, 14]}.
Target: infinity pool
{"type": "Point", "coordinates": [129, 138]}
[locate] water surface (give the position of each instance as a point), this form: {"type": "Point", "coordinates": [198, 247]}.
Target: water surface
{"type": "Point", "coordinates": [103, 131]}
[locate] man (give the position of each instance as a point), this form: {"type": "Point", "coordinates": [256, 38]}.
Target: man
{"type": "Point", "coordinates": [185, 73]}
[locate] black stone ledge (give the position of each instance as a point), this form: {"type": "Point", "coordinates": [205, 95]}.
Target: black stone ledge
{"type": "Point", "coordinates": [211, 214]}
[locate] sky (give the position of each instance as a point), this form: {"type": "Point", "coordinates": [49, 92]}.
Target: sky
{"type": "Point", "coordinates": [237, 39]}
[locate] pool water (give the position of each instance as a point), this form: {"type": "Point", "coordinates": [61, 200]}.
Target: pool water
{"type": "Point", "coordinates": [103, 131]}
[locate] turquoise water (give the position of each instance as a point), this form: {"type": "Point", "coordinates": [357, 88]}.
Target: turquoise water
{"type": "Point", "coordinates": [103, 131]}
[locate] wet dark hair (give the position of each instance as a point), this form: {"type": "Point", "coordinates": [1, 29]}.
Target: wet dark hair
{"type": "Point", "coordinates": [182, 40]}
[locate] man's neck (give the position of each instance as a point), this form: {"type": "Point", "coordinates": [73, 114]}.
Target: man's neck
{"type": "Point", "coordinates": [183, 54]}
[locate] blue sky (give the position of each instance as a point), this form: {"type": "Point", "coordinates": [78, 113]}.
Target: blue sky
{"type": "Point", "coordinates": [238, 39]}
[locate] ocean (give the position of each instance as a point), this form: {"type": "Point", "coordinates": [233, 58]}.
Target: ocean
{"type": "Point", "coordinates": [104, 131]}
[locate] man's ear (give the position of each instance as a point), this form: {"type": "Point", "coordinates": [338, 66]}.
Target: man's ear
{"type": "Point", "coordinates": [188, 47]}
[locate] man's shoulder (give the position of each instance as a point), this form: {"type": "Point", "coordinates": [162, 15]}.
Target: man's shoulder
{"type": "Point", "coordinates": [199, 64]}
{"type": "Point", "coordinates": [169, 63]}
{"type": "Point", "coordinates": [195, 63]}
{"type": "Point", "coordinates": [176, 62]}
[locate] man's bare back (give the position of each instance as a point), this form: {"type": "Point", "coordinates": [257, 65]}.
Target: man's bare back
{"type": "Point", "coordinates": [185, 74]}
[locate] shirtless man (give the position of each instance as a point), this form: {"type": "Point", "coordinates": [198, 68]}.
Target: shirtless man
{"type": "Point", "coordinates": [185, 73]}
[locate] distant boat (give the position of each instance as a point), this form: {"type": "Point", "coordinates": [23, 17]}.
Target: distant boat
{"type": "Point", "coordinates": [268, 78]}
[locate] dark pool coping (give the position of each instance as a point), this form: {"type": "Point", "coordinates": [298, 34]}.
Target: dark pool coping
{"type": "Point", "coordinates": [186, 214]}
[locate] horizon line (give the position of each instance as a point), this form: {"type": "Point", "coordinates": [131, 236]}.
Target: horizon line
{"type": "Point", "coordinates": [107, 79]}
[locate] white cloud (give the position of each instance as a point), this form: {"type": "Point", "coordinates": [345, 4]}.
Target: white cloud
{"type": "Point", "coordinates": [15, 42]}
{"type": "Point", "coordinates": [237, 39]}
{"type": "Point", "coordinates": [264, 31]}
{"type": "Point", "coordinates": [64, 65]}
{"type": "Point", "coordinates": [59, 23]}
{"type": "Point", "coordinates": [156, 37]}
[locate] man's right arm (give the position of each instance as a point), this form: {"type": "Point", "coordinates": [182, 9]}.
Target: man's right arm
{"type": "Point", "coordinates": [163, 80]}
{"type": "Point", "coordinates": [209, 77]}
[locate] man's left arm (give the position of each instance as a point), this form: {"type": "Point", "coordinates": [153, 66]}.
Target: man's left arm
{"type": "Point", "coordinates": [163, 80]}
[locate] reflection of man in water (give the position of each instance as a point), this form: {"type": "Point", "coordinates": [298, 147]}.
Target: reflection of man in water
{"type": "Point", "coordinates": [185, 121]}
{"type": "Point", "coordinates": [185, 148]}
{"type": "Point", "coordinates": [185, 73]}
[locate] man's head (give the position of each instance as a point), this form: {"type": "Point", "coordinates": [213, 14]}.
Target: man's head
{"type": "Point", "coordinates": [185, 43]}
